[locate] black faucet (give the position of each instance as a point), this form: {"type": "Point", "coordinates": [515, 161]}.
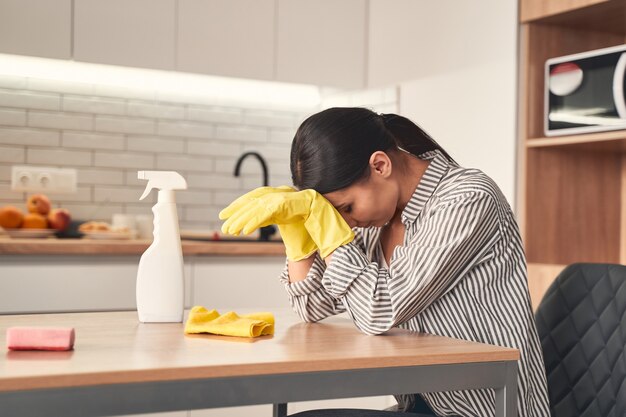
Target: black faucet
{"type": "Point", "coordinates": [266, 231]}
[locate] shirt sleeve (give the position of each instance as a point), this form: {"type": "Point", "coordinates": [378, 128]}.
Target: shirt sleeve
{"type": "Point", "coordinates": [457, 235]}
{"type": "Point", "coordinates": [308, 298]}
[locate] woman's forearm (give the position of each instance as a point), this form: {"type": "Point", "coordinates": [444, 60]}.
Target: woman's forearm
{"type": "Point", "coordinates": [298, 270]}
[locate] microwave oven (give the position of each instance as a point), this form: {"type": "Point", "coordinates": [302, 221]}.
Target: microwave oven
{"type": "Point", "coordinates": [584, 92]}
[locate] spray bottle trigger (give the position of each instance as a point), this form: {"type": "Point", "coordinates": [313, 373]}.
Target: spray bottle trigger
{"type": "Point", "coordinates": [146, 191]}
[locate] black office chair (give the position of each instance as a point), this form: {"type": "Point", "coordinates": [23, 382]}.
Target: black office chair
{"type": "Point", "coordinates": [582, 327]}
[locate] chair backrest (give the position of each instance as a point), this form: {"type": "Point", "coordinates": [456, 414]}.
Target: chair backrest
{"type": "Point", "coordinates": [582, 326]}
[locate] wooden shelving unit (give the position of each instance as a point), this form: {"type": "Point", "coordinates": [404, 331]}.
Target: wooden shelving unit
{"type": "Point", "coordinates": [572, 189]}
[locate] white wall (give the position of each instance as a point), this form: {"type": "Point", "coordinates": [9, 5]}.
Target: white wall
{"type": "Point", "coordinates": [411, 39]}
{"type": "Point", "coordinates": [455, 62]}
{"type": "Point", "coordinates": [471, 113]}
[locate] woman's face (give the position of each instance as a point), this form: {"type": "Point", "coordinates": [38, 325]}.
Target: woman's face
{"type": "Point", "coordinates": [371, 202]}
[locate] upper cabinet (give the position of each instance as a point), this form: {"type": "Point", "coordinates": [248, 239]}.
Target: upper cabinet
{"type": "Point", "coordinates": [35, 27]}
{"type": "Point", "coordinates": [227, 37]}
{"type": "Point", "coordinates": [322, 42]}
{"type": "Point", "coordinates": [136, 33]}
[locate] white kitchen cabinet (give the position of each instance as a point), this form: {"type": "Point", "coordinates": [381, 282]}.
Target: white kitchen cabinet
{"type": "Point", "coordinates": [322, 42]}
{"type": "Point", "coordinates": [42, 284]}
{"type": "Point", "coordinates": [233, 38]}
{"type": "Point", "coordinates": [227, 283]}
{"type": "Point", "coordinates": [38, 284]}
{"type": "Point", "coordinates": [35, 27]}
{"type": "Point", "coordinates": [135, 33]}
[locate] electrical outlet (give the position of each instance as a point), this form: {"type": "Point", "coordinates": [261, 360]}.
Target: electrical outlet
{"type": "Point", "coordinates": [43, 179]}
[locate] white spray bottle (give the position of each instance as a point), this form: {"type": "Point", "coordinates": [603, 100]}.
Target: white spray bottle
{"type": "Point", "coordinates": [160, 277]}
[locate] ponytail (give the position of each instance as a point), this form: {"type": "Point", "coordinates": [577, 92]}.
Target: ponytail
{"type": "Point", "coordinates": [410, 136]}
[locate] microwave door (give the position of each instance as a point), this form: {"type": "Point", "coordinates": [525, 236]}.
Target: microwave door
{"type": "Point", "coordinates": [582, 94]}
{"type": "Point", "coordinates": [618, 87]}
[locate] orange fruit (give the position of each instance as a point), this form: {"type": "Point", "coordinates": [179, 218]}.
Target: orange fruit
{"type": "Point", "coordinates": [38, 203]}
{"type": "Point", "coordinates": [34, 221]}
{"type": "Point", "coordinates": [11, 217]}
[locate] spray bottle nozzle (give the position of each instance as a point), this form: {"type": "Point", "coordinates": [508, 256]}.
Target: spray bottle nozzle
{"type": "Point", "coordinates": [163, 180]}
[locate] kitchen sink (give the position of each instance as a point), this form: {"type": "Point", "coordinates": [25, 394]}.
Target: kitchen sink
{"type": "Point", "coordinates": [213, 236]}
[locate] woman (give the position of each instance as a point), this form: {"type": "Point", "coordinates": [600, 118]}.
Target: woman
{"type": "Point", "coordinates": [388, 227]}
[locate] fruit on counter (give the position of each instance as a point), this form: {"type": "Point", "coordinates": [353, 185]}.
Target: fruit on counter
{"type": "Point", "coordinates": [11, 217]}
{"type": "Point", "coordinates": [93, 226]}
{"type": "Point", "coordinates": [102, 227]}
{"type": "Point", "coordinates": [40, 215]}
{"type": "Point", "coordinates": [38, 203]}
{"type": "Point", "coordinates": [34, 221]}
{"type": "Point", "coordinates": [59, 219]}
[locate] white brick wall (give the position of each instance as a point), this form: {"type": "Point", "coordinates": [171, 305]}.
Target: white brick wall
{"type": "Point", "coordinates": [60, 120]}
{"type": "Point", "coordinates": [10, 81]}
{"type": "Point", "coordinates": [47, 156]}
{"type": "Point", "coordinates": [152, 144]}
{"type": "Point", "coordinates": [86, 140]}
{"type": "Point", "coordinates": [124, 125]}
{"type": "Point", "coordinates": [12, 117]}
{"type": "Point", "coordinates": [29, 100]}
{"type": "Point", "coordinates": [27, 137]}
{"type": "Point", "coordinates": [109, 133]}
{"type": "Point", "coordinates": [12, 154]}
{"type": "Point", "coordinates": [94, 105]}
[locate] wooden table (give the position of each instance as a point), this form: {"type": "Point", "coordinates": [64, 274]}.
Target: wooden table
{"type": "Point", "coordinates": [121, 366]}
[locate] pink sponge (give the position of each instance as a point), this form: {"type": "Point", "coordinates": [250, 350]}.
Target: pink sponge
{"type": "Point", "coordinates": [40, 338]}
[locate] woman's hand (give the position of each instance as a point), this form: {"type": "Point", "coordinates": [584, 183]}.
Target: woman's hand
{"type": "Point", "coordinates": [285, 206]}
{"type": "Point", "coordinates": [298, 243]}
{"type": "Point", "coordinates": [262, 207]}
{"type": "Point", "coordinates": [248, 198]}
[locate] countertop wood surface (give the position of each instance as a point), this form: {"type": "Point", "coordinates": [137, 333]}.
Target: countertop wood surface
{"type": "Point", "coordinates": [54, 246]}
{"type": "Point", "coordinates": [114, 347]}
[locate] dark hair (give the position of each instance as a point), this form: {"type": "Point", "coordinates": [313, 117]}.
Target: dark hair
{"type": "Point", "coordinates": [332, 148]}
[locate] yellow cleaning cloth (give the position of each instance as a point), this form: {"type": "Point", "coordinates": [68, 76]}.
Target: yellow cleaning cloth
{"type": "Point", "coordinates": [201, 320]}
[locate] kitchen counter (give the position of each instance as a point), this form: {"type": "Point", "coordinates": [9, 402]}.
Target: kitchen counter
{"type": "Point", "coordinates": [53, 246]}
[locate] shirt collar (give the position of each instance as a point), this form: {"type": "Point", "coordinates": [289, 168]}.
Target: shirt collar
{"type": "Point", "coordinates": [438, 166]}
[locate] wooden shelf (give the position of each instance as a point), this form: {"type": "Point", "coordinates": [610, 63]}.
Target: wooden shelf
{"type": "Point", "coordinates": [572, 189]}
{"type": "Point", "coordinates": [603, 141]}
{"type": "Point", "coordinates": [603, 15]}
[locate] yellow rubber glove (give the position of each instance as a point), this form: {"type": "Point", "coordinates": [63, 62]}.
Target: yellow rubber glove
{"type": "Point", "coordinates": [322, 221]}
{"type": "Point", "coordinates": [250, 196]}
{"type": "Point", "coordinates": [298, 243]}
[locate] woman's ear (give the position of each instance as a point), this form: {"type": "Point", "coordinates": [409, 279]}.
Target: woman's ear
{"type": "Point", "coordinates": [380, 164]}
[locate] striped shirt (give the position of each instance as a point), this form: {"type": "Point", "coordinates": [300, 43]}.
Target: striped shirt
{"type": "Point", "coordinates": [460, 272]}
